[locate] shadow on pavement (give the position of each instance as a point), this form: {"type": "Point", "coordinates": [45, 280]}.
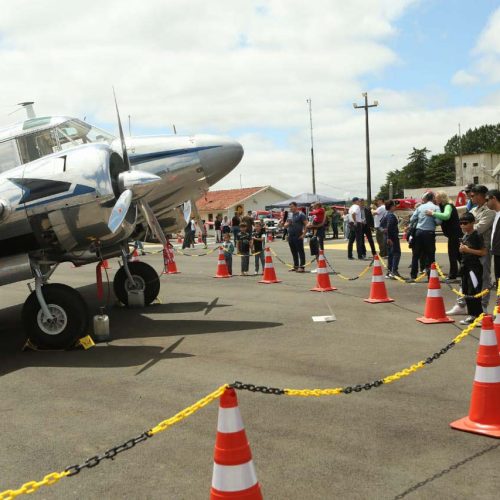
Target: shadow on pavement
{"type": "Point", "coordinates": [125, 324]}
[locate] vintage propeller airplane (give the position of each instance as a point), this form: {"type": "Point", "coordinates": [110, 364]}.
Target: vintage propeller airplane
{"type": "Point", "coordinates": [70, 192]}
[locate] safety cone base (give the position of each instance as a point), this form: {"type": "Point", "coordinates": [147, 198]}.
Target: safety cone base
{"type": "Point", "coordinates": [378, 301]}
{"type": "Point", "coordinates": [467, 425]}
{"type": "Point", "coordinates": [319, 289]}
{"type": "Point", "coordinates": [446, 319]}
{"type": "Point", "coordinates": [228, 276]}
{"type": "Point", "coordinates": [269, 282]}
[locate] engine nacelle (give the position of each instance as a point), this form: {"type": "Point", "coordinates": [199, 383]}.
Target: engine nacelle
{"type": "Point", "coordinates": [69, 198]}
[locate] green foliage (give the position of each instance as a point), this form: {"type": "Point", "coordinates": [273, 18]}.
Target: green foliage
{"type": "Point", "coordinates": [485, 139]}
{"type": "Point", "coordinates": [439, 170]}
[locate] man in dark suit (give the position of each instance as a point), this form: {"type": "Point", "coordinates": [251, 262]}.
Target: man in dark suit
{"type": "Point", "coordinates": [493, 201]}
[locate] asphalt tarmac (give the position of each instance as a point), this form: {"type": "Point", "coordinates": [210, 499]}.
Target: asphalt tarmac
{"type": "Point", "coordinates": [60, 408]}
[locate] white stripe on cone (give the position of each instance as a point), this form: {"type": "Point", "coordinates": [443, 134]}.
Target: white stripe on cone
{"type": "Point", "coordinates": [488, 337]}
{"type": "Point", "coordinates": [268, 265]}
{"type": "Point", "coordinates": [322, 270]}
{"type": "Point", "coordinates": [434, 292]}
{"type": "Point", "coordinates": [377, 279]}
{"type": "Point", "coordinates": [487, 374]}
{"type": "Point", "coordinates": [234, 477]}
{"type": "Point", "coordinates": [434, 274]}
{"type": "Point", "coordinates": [229, 420]}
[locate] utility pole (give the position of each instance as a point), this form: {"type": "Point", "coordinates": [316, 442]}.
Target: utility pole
{"type": "Point", "coordinates": [368, 173]}
{"type": "Point", "coordinates": [312, 145]}
{"type": "Point", "coordinates": [460, 154]}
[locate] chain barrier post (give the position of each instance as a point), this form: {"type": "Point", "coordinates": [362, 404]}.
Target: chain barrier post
{"type": "Point", "coordinates": [233, 473]}
{"type": "Point", "coordinates": [378, 291]}
{"type": "Point", "coordinates": [434, 304]}
{"type": "Point", "coordinates": [322, 278]}
{"type": "Point", "coordinates": [269, 276]}
{"type": "Point", "coordinates": [484, 412]}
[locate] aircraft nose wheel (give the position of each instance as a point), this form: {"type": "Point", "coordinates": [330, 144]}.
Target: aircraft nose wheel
{"type": "Point", "coordinates": [145, 279]}
{"type": "Point", "coordinates": [69, 320]}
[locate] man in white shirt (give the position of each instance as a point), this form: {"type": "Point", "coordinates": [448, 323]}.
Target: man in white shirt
{"type": "Point", "coordinates": [356, 229]}
{"type": "Point", "coordinates": [378, 215]}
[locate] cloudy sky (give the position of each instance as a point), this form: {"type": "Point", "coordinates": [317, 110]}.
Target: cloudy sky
{"type": "Point", "coordinates": [245, 68]}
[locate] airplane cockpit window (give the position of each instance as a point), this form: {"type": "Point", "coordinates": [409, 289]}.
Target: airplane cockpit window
{"type": "Point", "coordinates": [9, 156]}
{"type": "Point", "coordinates": [75, 132]}
{"type": "Point", "coordinates": [37, 145]}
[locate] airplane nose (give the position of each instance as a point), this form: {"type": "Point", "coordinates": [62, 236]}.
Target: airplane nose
{"type": "Point", "coordinates": [218, 156]}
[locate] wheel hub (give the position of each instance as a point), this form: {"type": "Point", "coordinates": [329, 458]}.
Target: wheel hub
{"type": "Point", "coordinates": [54, 325]}
{"type": "Point", "coordinates": [137, 285]}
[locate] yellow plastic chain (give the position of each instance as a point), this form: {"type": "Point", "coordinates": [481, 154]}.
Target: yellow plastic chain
{"type": "Point", "coordinates": [286, 263]}
{"type": "Point", "coordinates": [419, 278]}
{"type": "Point", "coordinates": [386, 380]}
{"type": "Point", "coordinates": [360, 275]}
{"type": "Point", "coordinates": [54, 477]}
{"type": "Point", "coordinates": [486, 291]}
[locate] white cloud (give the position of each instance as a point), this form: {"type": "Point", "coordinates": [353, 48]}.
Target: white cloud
{"type": "Point", "coordinates": [486, 66]}
{"type": "Point", "coordinates": [223, 66]}
{"type": "Point", "coordinates": [463, 77]}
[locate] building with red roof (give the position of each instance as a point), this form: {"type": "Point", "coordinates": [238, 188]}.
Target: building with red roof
{"type": "Point", "coordinates": [228, 201]}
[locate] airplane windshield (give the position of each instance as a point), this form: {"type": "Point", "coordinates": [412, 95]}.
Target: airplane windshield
{"type": "Point", "coordinates": [66, 135]}
{"type": "Point", "coordinates": [75, 132]}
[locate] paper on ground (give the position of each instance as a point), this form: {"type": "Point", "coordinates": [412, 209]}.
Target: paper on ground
{"type": "Point", "coordinates": [326, 319]}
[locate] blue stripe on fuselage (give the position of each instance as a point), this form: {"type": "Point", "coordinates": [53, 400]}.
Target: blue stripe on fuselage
{"type": "Point", "coordinates": [166, 154]}
{"type": "Point", "coordinates": [79, 189]}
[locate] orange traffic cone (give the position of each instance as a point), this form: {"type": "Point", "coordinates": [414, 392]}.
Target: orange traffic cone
{"type": "Point", "coordinates": [484, 411]}
{"type": "Point", "coordinates": [269, 272]}
{"type": "Point", "coordinates": [322, 277]}
{"type": "Point", "coordinates": [270, 237]}
{"type": "Point", "coordinates": [496, 324]}
{"type": "Point", "coordinates": [105, 264]}
{"type": "Point", "coordinates": [135, 256]}
{"type": "Point", "coordinates": [169, 265]}
{"type": "Point", "coordinates": [179, 238]}
{"type": "Point", "coordinates": [378, 292]}
{"type": "Point", "coordinates": [222, 271]}
{"type": "Point", "coordinates": [199, 239]}
{"type": "Point", "coordinates": [434, 304]}
{"type": "Point", "coordinates": [234, 473]}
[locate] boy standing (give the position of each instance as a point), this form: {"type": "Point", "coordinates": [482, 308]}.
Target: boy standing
{"type": "Point", "coordinates": [389, 225]}
{"type": "Point", "coordinates": [243, 245]}
{"type": "Point", "coordinates": [258, 245]}
{"type": "Point", "coordinates": [228, 247]}
{"type": "Point", "coordinates": [471, 248]}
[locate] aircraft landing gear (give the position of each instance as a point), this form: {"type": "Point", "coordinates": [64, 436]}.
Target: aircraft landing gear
{"type": "Point", "coordinates": [140, 276]}
{"type": "Point", "coordinates": [61, 323]}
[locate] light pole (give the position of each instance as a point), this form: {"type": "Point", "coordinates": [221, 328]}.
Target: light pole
{"type": "Point", "coordinates": [312, 145]}
{"type": "Point", "coordinates": [368, 174]}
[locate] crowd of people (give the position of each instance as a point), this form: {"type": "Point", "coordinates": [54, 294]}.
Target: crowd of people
{"type": "Point", "coordinates": [472, 239]}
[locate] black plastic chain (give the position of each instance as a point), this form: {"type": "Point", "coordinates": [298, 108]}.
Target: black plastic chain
{"type": "Point", "coordinates": [438, 354]}
{"type": "Point", "coordinates": [257, 388]}
{"type": "Point", "coordinates": [109, 454]}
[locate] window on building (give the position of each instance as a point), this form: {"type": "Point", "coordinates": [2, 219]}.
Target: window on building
{"type": "Point", "coordinates": [475, 164]}
{"type": "Point", "coordinates": [210, 217]}
{"type": "Point", "coordinates": [475, 180]}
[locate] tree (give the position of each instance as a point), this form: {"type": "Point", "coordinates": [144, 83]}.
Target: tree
{"type": "Point", "coordinates": [414, 171]}
{"type": "Point", "coordinates": [485, 139]}
{"type": "Point", "coordinates": [441, 170]}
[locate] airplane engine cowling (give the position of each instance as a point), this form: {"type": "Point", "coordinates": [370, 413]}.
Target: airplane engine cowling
{"type": "Point", "coordinates": [82, 188]}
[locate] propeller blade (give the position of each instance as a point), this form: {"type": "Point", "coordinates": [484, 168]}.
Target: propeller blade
{"type": "Point", "coordinates": [122, 136]}
{"type": "Point", "coordinates": [186, 210]}
{"type": "Point", "coordinates": [152, 221]}
{"type": "Point", "coordinates": [120, 210]}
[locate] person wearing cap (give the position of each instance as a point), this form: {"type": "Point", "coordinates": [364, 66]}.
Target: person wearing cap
{"type": "Point", "coordinates": [472, 249]}
{"type": "Point", "coordinates": [425, 234]}
{"type": "Point", "coordinates": [355, 229]}
{"type": "Point", "coordinates": [484, 218]}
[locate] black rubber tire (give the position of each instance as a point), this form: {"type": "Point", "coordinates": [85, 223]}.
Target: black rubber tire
{"type": "Point", "coordinates": [73, 305]}
{"type": "Point", "coordinates": [143, 271]}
